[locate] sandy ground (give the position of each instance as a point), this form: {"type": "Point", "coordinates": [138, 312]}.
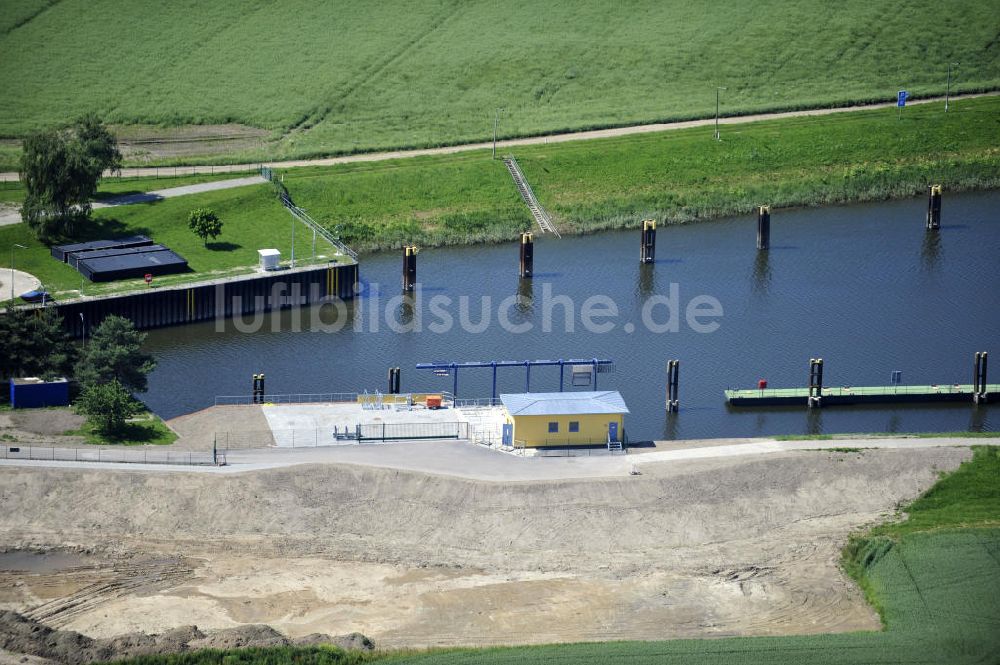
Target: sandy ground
{"type": "Point", "coordinates": [700, 547]}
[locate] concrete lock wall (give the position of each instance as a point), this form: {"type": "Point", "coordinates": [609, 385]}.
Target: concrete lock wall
{"type": "Point", "coordinates": [534, 430]}
{"type": "Point", "coordinates": [177, 305]}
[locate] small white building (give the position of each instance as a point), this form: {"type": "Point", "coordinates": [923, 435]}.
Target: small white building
{"type": "Point", "coordinates": [270, 259]}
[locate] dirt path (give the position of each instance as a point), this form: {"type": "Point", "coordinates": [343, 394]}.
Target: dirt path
{"type": "Point", "coordinates": [700, 547]}
{"type": "Point", "coordinates": [531, 140]}
{"type": "Point", "coordinates": [14, 217]}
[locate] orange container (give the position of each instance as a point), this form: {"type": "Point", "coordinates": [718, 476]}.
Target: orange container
{"type": "Point", "coordinates": [433, 401]}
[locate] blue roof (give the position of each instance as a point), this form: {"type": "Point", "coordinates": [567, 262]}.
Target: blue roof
{"type": "Point", "coordinates": [557, 404]}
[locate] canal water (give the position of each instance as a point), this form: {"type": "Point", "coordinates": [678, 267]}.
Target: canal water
{"type": "Point", "coordinates": [865, 287]}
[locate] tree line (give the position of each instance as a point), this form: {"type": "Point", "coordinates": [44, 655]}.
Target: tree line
{"type": "Point", "coordinates": [108, 369]}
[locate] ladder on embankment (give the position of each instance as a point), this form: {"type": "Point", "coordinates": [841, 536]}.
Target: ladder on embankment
{"type": "Point", "coordinates": [537, 211]}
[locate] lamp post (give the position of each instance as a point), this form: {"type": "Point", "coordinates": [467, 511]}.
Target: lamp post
{"type": "Point", "coordinates": [496, 124]}
{"type": "Point", "coordinates": [947, 93]}
{"type": "Point", "coordinates": [83, 327]}
{"type": "Point", "coordinates": [717, 91]}
{"type": "Point", "coordinates": [12, 248]}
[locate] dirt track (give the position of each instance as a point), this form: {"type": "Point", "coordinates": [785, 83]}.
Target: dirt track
{"type": "Point", "coordinates": [705, 547]}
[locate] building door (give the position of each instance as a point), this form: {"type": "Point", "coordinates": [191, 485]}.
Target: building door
{"type": "Point", "coordinates": [508, 434]}
{"type": "Point", "coordinates": [613, 431]}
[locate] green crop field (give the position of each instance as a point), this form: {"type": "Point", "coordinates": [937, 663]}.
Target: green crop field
{"type": "Point", "coordinates": [934, 577]}
{"type": "Point", "coordinates": [329, 77]}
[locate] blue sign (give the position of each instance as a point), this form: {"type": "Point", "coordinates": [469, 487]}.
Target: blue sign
{"type": "Point", "coordinates": [901, 98]}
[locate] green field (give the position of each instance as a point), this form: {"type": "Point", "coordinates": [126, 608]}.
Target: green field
{"type": "Point", "coordinates": [339, 77]}
{"type": "Point", "coordinates": [934, 578]}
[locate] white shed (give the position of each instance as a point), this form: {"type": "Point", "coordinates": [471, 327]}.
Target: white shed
{"type": "Point", "coordinates": [269, 259]}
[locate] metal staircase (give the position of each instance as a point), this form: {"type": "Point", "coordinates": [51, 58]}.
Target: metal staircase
{"type": "Point", "coordinates": [537, 211]}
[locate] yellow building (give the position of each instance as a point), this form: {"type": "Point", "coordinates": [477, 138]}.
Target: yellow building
{"type": "Point", "coordinates": [534, 420]}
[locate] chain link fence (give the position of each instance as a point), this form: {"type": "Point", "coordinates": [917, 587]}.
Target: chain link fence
{"type": "Point", "coordinates": [117, 455]}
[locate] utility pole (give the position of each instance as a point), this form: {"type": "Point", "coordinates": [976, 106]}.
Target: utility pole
{"type": "Point", "coordinates": [717, 91]}
{"type": "Point", "coordinates": [12, 248]}
{"type": "Point", "coordinates": [947, 93]}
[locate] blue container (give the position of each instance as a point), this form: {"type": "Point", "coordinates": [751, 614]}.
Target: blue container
{"type": "Point", "coordinates": [31, 393]}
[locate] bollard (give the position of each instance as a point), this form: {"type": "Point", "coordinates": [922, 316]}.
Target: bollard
{"type": "Point", "coordinates": [409, 267]}
{"type": "Point", "coordinates": [394, 374]}
{"type": "Point", "coordinates": [527, 254]}
{"type": "Point", "coordinates": [258, 388]}
{"type": "Point", "coordinates": [647, 248]}
{"type": "Point", "coordinates": [673, 379]}
{"type": "Point", "coordinates": [815, 399]}
{"type": "Point", "coordinates": [979, 386]}
{"type": "Point", "coordinates": [934, 207]}
{"type": "Point", "coordinates": [763, 227]}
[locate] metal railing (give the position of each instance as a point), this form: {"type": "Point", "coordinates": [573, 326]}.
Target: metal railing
{"type": "Point", "coordinates": [338, 435]}
{"type": "Point", "coordinates": [832, 391]}
{"type": "Point", "coordinates": [290, 398]}
{"type": "Point", "coordinates": [412, 431]}
{"type": "Point", "coordinates": [538, 211]}
{"type": "Point", "coordinates": [105, 455]}
{"type": "Point", "coordinates": [301, 215]}
{"type": "Point", "coordinates": [481, 401]}
{"type": "Point", "coordinates": [578, 452]}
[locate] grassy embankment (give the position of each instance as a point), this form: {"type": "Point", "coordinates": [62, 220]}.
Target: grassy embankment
{"type": "Point", "coordinates": [934, 577]}
{"type": "Point", "coordinates": [674, 176]}
{"type": "Point", "coordinates": [327, 78]}
{"type": "Point", "coordinates": [253, 219]}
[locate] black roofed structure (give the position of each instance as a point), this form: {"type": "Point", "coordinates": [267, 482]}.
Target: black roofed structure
{"type": "Point", "coordinates": [125, 263]}
{"type": "Point", "coordinates": [62, 252]}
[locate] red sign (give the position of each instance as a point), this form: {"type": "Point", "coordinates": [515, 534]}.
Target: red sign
{"type": "Point", "coordinates": [149, 278]}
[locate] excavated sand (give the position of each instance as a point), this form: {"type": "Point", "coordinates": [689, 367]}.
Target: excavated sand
{"type": "Point", "coordinates": [738, 546]}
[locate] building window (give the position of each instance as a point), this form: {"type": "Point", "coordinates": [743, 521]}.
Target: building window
{"type": "Point", "coordinates": [554, 428]}
{"type": "Point", "coordinates": [574, 426]}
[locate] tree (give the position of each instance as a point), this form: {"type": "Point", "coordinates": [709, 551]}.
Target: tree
{"type": "Point", "coordinates": [205, 224]}
{"type": "Point", "coordinates": [34, 343]}
{"type": "Point", "coordinates": [114, 353]}
{"type": "Point", "coordinates": [60, 171]}
{"type": "Point", "coordinates": [107, 406]}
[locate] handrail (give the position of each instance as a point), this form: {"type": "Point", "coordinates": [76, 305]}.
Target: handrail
{"type": "Point", "coordinates": [300, 214]}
